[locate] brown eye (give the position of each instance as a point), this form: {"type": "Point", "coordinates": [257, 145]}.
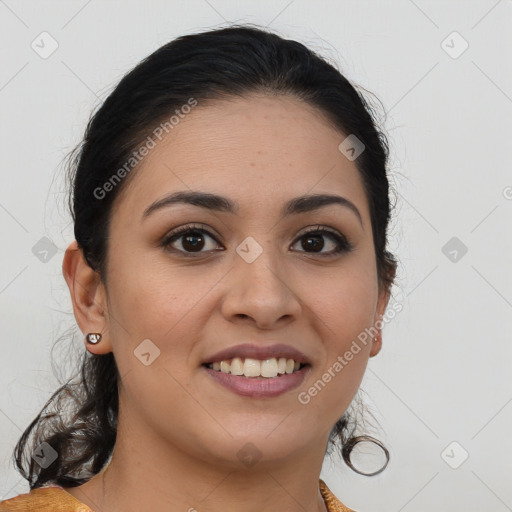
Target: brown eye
{"type": "Point", "coordinates": [314, 241]}
{"type": "Point", "coordinates": [189, 240]}
{"type": "Point", "coordinates": [193, 241]}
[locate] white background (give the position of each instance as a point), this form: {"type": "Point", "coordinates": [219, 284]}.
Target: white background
{"type": "Point", "coordinates": [444, 372]}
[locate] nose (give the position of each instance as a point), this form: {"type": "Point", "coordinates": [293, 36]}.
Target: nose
{"type": "Point", "coordinates": [260, 292]}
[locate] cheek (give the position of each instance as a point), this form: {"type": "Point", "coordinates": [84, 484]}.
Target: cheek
{"type": "Point", "coordinates": [152, 301]}
{"type": "Point", "coordinates": [343, 311]}
{"type": "Point", "coordinates": [343, 315]}
{"type": "Point", "coordinates": [344, 304]}
{"type": "Point", "coordinates": [147, 291]}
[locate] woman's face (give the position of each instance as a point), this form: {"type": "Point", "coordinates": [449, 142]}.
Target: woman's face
{"type": "Point", "coordinates": [252, 277]}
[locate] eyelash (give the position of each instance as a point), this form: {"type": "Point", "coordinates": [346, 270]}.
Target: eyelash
{"type": "Point", "coordinates": [343, 244]}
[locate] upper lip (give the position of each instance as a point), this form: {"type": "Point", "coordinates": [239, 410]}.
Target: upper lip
{"type": "Point", "coordinates": [258, 352]}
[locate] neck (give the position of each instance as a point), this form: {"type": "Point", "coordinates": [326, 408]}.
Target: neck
{"type": "Point", "coordinates": [189, 486]}
{"type": "Point", "coordinates": [147, 472]}
{"type": "Point", "coordinates": [171, 480]}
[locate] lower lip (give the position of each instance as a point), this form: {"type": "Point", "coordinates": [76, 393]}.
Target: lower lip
{"type": "Point", "coordinates": [260, 387]}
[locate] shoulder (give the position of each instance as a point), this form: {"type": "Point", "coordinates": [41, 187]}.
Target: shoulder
{"type": "Point", "coordinates": [44, 499]}
{"type": "Point", "coordinates": [333, 503]}
{"type": "Point", "coordinates": [57, 499]}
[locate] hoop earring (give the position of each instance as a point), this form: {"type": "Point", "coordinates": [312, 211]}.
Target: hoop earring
{"type": "Point", "coordinates": [349, 446]}
{"type": "Point", "coordinates": [93, 338]}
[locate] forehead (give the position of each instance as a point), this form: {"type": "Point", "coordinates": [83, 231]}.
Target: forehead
{"type": "Point", "coordinates": [259, 150]}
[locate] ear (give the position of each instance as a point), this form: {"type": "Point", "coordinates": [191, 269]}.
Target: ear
{"type": "Point", "coordinates": [382, 302]}
{"type": "Point", "coordinates": [88, 297]}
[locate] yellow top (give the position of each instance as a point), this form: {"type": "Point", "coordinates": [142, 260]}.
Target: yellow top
{"type": "Point", "coordinates": [57, 499]}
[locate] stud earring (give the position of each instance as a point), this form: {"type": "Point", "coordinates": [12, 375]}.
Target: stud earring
{"type": "Point", "coordinates": [93, 338]}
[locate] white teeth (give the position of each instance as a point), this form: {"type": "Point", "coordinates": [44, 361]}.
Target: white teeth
{"type": "Point", "coordinates": [237, 366]}
{"type": "Point", "coordinates": [269, 368]}
{"type": "Point", "coordinates": [256, 368]}
{"type": "Point", "coordinates": [252, 367]}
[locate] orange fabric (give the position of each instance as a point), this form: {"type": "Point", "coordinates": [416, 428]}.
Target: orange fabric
{"type": "Point", "coordinates": [44, 499]}
{"type": "Point", "coordinates": [333, 503]}
{"type": "Point", "coordinates": [57, 499]}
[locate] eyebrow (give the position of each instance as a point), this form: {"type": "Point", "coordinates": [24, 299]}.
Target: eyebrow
{"type": "Point", "coordinates": [218, 203]}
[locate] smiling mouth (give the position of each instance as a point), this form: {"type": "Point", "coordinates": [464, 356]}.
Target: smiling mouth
{"type": "Point", "coordinates": [265, 382]}
{"type": "Point", "coordinates": [256, 368]}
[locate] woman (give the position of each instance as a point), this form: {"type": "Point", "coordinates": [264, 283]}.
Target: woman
{"type": "Point", "coordinates": [230, 204]}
